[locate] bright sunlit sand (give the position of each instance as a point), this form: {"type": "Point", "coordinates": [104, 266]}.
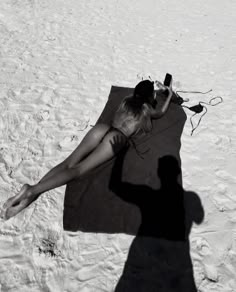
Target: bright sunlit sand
{"type": "Point", "coordinates": [58, 61]}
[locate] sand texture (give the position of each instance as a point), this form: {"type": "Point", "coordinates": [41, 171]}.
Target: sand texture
{"type": "Point", "coordinates": [58, 61]}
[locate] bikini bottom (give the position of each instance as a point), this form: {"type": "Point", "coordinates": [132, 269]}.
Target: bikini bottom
{"type": "Point", "coordinates": [128, 138]}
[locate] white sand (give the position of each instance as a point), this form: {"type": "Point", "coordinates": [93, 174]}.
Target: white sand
{"type": "Point", "coordinates": [58, 60]}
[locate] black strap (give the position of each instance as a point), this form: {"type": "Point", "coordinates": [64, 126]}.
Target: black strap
{"type": "Point", "coordinates": [199, 107]}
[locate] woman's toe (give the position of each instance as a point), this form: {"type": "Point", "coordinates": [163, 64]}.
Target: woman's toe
{"type": "Point", "coordinates": [8, 203]}
{"type": "Point", "coordinates": [17, 198]}
{"type": "Point", "coordinates": [2, 213]}
{"type": "Point", "coordinates": [12, 211]}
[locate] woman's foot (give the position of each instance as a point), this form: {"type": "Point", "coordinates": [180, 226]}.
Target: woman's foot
{"type": "Point", "coordinates": [17, 203]}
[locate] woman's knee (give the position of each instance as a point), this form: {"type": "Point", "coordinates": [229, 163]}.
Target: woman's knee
{"type": "Point", "coordinates": [77, 171]}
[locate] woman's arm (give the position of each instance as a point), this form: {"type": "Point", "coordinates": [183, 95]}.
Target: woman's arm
{"type": "Point", "coordinates": [158, 113]}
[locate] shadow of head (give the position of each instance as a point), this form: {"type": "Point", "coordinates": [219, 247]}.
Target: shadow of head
{"type": "Point", "coordinates": [168, 169]}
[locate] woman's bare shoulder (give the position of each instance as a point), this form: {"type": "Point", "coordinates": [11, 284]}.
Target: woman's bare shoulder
{"type": "Point", "coordinates": [124, 102]}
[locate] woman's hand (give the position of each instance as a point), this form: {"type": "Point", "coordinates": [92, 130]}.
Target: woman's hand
{"type": "Point", "coordinates": [162, 88]}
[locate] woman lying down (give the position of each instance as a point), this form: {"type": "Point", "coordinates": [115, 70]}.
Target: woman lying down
{"type": "Point", "coordinates": [99, 145]}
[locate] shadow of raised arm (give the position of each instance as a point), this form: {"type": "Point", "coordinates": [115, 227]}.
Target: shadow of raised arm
{"type": "Point", "coordinates": [125, 190]}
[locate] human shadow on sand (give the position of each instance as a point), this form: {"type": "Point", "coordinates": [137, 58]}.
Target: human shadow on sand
{"type": "Point", "coordinates": [159, 256]}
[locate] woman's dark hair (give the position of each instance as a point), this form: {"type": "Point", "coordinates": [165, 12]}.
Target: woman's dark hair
{"type": "Point", "coordinates": [144, 90]}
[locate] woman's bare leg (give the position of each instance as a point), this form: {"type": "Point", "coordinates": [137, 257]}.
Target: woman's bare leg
{"type": "Point", "coordinates": [88, 144]}
{"type": "Point", "coordinates": [102, 153]}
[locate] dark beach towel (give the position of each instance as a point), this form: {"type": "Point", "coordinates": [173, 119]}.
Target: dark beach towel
{"type": "Point", "coordinates": [90, 206]}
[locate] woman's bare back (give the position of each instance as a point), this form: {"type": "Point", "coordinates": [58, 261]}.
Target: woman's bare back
{"type": "Point", "coordinates": [129, 123]}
